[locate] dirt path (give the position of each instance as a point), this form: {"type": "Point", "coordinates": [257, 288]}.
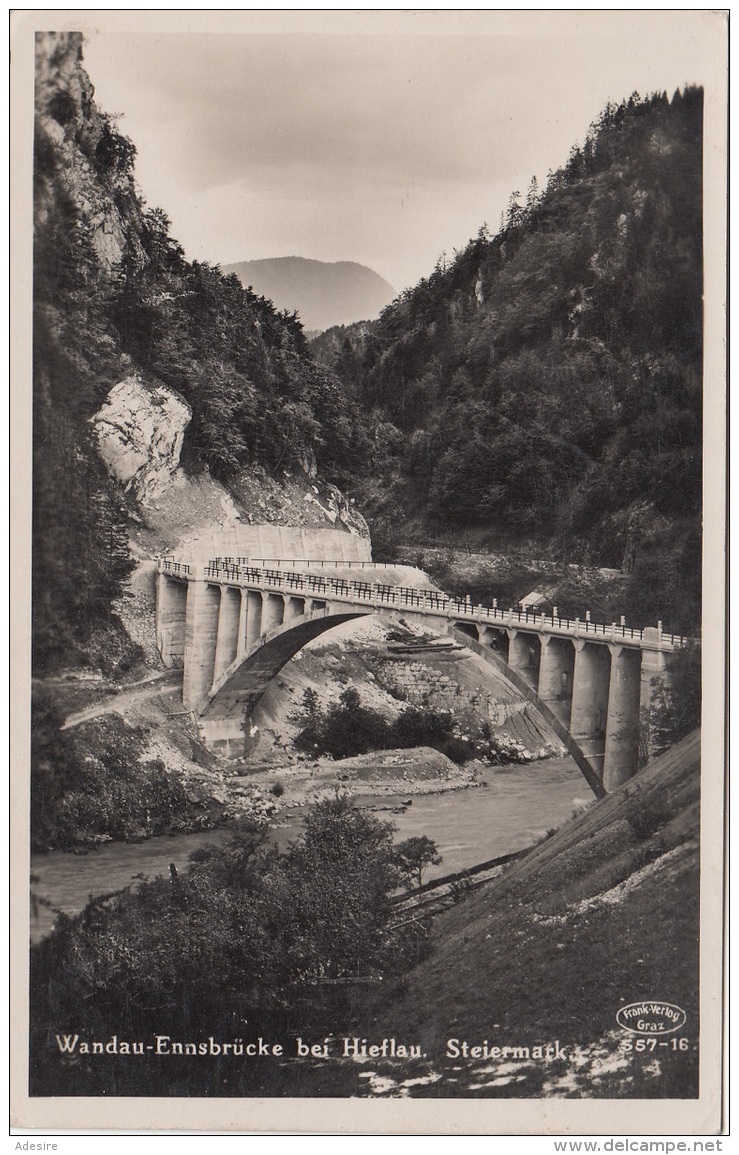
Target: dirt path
{"type": "Point", "coordinates": [115, 704]}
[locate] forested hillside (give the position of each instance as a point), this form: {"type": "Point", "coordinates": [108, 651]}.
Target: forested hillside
{"type": "Point", "coordinates": [543, 387]}
{"type": "Point", "coordinates": [113, 295]}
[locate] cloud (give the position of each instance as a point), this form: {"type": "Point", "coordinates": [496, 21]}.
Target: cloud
{"type": "Point", "coordinates": [372, 147]}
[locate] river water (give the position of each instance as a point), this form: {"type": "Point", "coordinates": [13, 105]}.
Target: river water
{"type": "Point", "coordinates": [519, 804]}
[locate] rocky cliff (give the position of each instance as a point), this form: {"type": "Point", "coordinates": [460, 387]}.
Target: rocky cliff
{"type": "Point", "coordinates": [73, 136]}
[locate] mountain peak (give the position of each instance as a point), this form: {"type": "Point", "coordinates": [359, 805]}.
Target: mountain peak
{"type": "Point", "coordinates": [324, 293]}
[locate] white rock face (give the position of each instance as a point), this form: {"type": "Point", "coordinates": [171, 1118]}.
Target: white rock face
{"type": "Point", "coordinates": [139, 431]}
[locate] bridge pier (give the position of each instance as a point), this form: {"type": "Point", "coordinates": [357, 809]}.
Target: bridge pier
{"type": "Point", "coordinates": [226, 736]}
{"type": "Point", "coordinates": [253, 619]}
{"type": "Point", "coordinates": [201, 638]}
{"type": "Point", "coordinates": [242, 627]}
{"type": "Point", "coordinates": [653, 665]}
{"type": "Point", "coordinates": [273, 608]}
{"type": "Point", "coordinates": [229, 614]}
{"type": "Point", "coordinates": [622, 725]}
{"type": "Point", "coordinates": [171, 617]}
{"type": "Point", "coordinates": [590, 682]}
{"type": "Point", "coordinates": [556, 667]}
{"type": "Point", "coordinates": [520, 656]}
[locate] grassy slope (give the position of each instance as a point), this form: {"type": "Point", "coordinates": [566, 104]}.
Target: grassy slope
{"type": "Point", "coordinates": [603, 914]}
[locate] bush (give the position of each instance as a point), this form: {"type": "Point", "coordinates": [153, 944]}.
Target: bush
{"type": "Point", "coordinates": [244, 926]}
{"type": "Point", "coordinates": [461, 889]}
{"type": "Point", "coordinates": [348, 728]}
{"type": "Point", "coordinates": [414, 727]}
{"type": "Point", "coordinates": [90, 784]}
{"type": "Point", "coordinates": [646, 818]}
{"type": "Point", "coordinates": [676, 704]}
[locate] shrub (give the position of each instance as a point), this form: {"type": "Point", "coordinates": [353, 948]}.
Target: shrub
{"type": "Point", "coordinates": [461, 889]}
{"type": "Point", "coordinates": [348, 728]}
{"type": "Point", "coordinates": [91, 784]}
{"type": "Point", "coordinates": [676, 705]}
{"type": "Point", "coordinates": [646, 817]}
{"type": "Point", "coordinates": [427, 727]}
{"type": "Point", "coordinates": [243, 926]}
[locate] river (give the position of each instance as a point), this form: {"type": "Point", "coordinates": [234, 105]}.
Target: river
{"type": "Point", "coordinates": [519, 804]}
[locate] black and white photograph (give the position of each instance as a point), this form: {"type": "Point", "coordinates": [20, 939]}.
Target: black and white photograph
{"type": "Point", "coordinates": [369, 494]}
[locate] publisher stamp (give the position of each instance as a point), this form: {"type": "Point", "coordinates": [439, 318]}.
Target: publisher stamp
{"type": "Point", "coordinates": [651, 1018]}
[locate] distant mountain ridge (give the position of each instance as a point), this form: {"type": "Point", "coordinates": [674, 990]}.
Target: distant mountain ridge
{"type": "Point", "coordinates": [323, 293]}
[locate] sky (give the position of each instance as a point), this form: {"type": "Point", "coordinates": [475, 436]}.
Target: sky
{"type": "Point", "coordinates": [383, 138]}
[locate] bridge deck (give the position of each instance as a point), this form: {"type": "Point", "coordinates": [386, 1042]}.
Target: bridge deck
{"type": "Point", "coordinates": [424, 599]}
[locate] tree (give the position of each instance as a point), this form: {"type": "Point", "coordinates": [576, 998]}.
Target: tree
{"type": "Point", "coordinates": [514, 213]}
{"type": "Point", "coordinates": [416, 727]}
{"type": "Point", "coordinates": [311, 718]}
{"type": "Point", "coordinates": [532, 195]}
{"type": "Point", "coordinates": [413, 856]}
{"type": "Point", "coordinates": [243, 921]}
{"type": "Point", "coordinates": [336, 908]}
{"type": "Point", "coordinates": [676, 705]}
{"type": "Point", "coordinates": [349, 698]}
{"type": "Point", "coordinates": [244, 934]}
{"type": "Point", "coordinates": [311, 704]}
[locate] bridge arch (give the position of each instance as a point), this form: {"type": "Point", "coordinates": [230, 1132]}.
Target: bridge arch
{"type": "Point", "coordinates": [524, 687]}
{"type": "Point", "coordinates": [234, 625]}
{"type": "Point", "coordinates": [248, 676]}
{"type": "Point", "coordinates": [236, 693]}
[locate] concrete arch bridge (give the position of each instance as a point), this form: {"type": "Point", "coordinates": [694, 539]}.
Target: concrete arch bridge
{"type": "Point", "coordinates": [233, 624]}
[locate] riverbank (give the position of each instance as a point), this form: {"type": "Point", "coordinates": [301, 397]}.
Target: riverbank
{"type": "Point", "coordinates": [384, 773]}
{"type": "Point", "coordinates": [519, 805]}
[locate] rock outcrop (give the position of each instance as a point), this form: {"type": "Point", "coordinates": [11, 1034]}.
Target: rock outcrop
{"type": "Point", "coordinates": [68, 119]}
{"type": "Point", "coordinates": [140, 430]}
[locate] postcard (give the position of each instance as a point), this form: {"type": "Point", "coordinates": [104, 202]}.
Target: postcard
{"type": "Point", "coordinates": [368, 397]}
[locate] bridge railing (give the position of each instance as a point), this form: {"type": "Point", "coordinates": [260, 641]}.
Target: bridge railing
{"type": "Point", "coordinates": [427, 601]}
{"type": "Point", "coordinates": [676, 640]}
{"type": "Point", "coordinates": [300, 563]}
{"type": "Point", "coordinates": [172, 566]}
